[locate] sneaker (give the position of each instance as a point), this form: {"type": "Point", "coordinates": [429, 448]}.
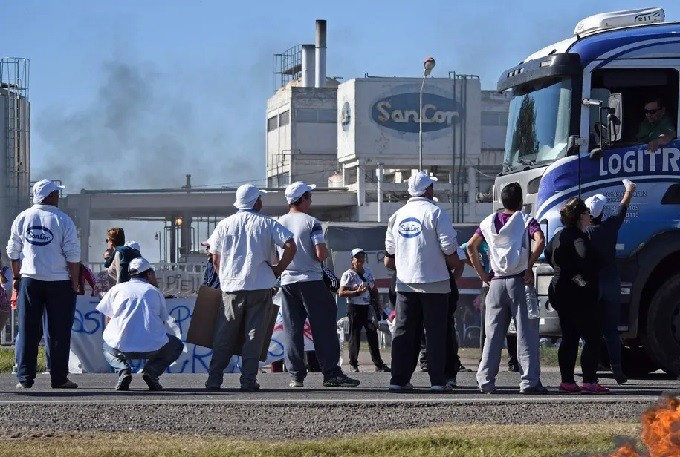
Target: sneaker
{"type": "Point", "coordinates": [14, 369]}
{"type": "Point", "coordinates": [489, 390]}
{"type": "Point", "coordinates": [66, 385]}
{"type": "Point", "coordinates": [513, 367]}
{"type": "Point", "coordinates": [296, 384]}
{"type": "Point", "coordinates": [341, 380]}
{"type": "Point", "coordinates": [250, 388]}
{"type": "Point", "coordinates": [383, 368]}
{"type": "Point", "coordinates": [124, 382]}
{"type": "Point", "coordinates": [24, 385]}
{"type": "Point", "coordinates": [594, 388]}
{"type": "Point", "coordinates": [462, 369]}
{"type": "Point", "coordinates": [569, 388]}
{"type": "Point", "coordinates": [439, 389]}
{"type": "Point", "coordinates": [152, 382]}
{"type": "Point", "coordinates": [538, 389]}
{"type": "Point", "coordinates": [397, 388]}
{"type": "Point", "coordinates": [213, 388]}
{"type": "Point", "coordinates": [354, 368]}
{"type": "Point", "coordinates": [451, 382]}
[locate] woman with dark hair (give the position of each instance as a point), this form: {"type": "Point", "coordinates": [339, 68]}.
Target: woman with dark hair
{"type": "Point", "coordinates": [573, 292]}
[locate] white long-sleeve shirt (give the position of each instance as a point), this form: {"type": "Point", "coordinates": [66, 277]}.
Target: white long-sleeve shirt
{"type": "Point", "coordinates": [48, 240]}
{"type": "Point", "coordinates": [419, 235]}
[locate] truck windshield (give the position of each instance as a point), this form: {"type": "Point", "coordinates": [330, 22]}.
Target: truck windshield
{"type": "Point", "coordinates": [538, 125]}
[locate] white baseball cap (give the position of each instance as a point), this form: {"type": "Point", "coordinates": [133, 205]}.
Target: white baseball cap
{"type": "Point", "coordinates": [596, 204]}
{"type": "Point", "coordinates": [42, 189]}
{"type": "Point", "coordinates": [138, 265]}
{"type": "Point", "coordinates": [419, 182]}
{"type": "Point", "coordinates": [356, 251]}
{"type": "Point", "coordinates": [134, 245]}
{"type": "Point", "coordinates": [296, 190]}
{"type": "Point", "coordinates": [247, 195]}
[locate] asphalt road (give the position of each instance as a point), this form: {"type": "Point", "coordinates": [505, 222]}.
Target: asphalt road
{"type": "Point", "coordinates": [313, 411]}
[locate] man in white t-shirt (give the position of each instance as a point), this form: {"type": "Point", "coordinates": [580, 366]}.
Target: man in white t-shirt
{"type": "Point", "coordinates": [136, 314]}
{"type": "Point", "coordinates": [305, 294]}
{"type": "Point", "coordinates": [357, 286]}
{"type": "Point", "coordinates": [243, 247]}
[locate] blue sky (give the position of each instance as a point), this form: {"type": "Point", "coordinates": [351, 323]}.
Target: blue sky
{"type": "Point", "coordinates": [137, 94]}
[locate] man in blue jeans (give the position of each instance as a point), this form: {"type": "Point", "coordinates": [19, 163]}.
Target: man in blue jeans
{"type": "Point", "coordinates": [135, 327]}
{"type": "Point", "coordinates": [45, 253]}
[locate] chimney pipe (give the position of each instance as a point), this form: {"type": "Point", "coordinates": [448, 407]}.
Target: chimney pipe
{"type": "Point", "coordinates": [320, 71]}
{"type": "Point", "coordinates": [308, 65]}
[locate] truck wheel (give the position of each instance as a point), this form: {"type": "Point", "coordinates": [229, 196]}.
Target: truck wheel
{"type": "Point", "coordinates": [662, 339]}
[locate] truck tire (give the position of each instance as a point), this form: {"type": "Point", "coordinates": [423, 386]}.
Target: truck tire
{"type": "Point", "coordinates": [662, 337]}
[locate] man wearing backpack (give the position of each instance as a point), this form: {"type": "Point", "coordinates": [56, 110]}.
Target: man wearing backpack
{"type": "Point", "coordinates": [508, 233]}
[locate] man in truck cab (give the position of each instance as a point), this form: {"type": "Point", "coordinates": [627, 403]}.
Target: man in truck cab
{"type": "Point", "coordinates": [657, 129]}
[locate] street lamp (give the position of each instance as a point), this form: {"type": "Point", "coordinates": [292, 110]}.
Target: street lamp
{"type": "Point", "coordinates": [428, 65]}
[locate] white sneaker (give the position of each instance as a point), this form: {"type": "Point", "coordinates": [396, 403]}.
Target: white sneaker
{"type": "Point", "coordinates": [451, 383]}
{"type": "Point", "coordinates": [295, 383]}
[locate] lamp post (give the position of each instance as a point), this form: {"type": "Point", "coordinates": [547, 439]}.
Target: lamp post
{"type": "Point", "coordinates": [428, 65]}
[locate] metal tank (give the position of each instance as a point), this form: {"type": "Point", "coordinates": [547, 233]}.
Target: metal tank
{"type": "Point", "coordinates": [14, 142]}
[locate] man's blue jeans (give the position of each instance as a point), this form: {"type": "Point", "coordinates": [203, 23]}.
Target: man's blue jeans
{"type": "Point", "coordinates": [157, 361]}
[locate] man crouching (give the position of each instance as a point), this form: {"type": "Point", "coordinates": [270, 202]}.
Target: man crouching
{"type": "Point", "coordinates": [135, 327]}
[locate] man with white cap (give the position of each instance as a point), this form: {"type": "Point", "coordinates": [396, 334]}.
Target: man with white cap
{"type": "Point", "coordinates": [421, 244]}
{"type": "Point", "coordinates": [136, 314]}
{"type": "Point", "coordinates": [242, 246]}
{"type": "Point", "coordinates": [357, 285]}
{"type": "Point", "coordinates": [305, 294]}
{"type": "Point", "coordinates": [604, 235]}
{"type": "Point", "coordinates": [45, 254]}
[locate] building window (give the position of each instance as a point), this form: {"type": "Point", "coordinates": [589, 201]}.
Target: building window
{"type": "Point", "coordinates": [271, 123]}
{"type": "Point", "coordinates": [494, 118]}
{"type": "Point", "coordinates": [324, 116]}
{"type": "Point", "coordinates": [284, 118]}
{"type": "Point", "coordinates": [327, 116]}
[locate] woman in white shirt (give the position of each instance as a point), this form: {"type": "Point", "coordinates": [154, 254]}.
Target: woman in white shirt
{"type": "Point", "coordinates": [357, 285]}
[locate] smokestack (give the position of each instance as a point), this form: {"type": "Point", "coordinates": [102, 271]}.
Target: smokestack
{"type": "Point", "coordinates": [320, 71]}
{"type": "Point", "coordinates": [308, 65]}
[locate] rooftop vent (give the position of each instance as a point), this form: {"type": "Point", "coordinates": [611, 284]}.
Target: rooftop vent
{"type": "Point", "coordinates": [617, 19]}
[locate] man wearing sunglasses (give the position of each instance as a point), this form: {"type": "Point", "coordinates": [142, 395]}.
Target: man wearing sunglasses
{"type": "Point", "coordinates": [657, 129]}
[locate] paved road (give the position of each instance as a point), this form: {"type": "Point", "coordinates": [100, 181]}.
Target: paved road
{"type": "Point", "coordinates": [309, 412]}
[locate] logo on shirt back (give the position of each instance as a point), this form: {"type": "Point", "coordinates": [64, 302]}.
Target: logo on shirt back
{"type": "Point", "coordinates": [410, 227]}
{"type": "Point", "coordinates": [38, 235]}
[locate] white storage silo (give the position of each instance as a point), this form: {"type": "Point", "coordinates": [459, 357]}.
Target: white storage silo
{"type": "Point", "coordinates": [14, 142]}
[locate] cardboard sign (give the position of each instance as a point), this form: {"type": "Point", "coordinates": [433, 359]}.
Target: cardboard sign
{"type": "Point", "coordinates": [204, 318]}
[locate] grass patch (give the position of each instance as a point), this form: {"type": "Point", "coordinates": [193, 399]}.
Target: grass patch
{"type": "Point", "coordinates": [7, 359]}
{"type": "Point", "coordinates": [548, 355]}
{"type": "Point", "coordinates": [451, 441]}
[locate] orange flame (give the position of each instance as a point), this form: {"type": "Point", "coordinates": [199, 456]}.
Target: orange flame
{"type": "Point", "coordinates": [660, 431]}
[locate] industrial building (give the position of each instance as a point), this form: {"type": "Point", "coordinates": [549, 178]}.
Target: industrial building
{"type": "Point", "coordinates": [14, 141]}
{"type": "Point", "coordinates": [365, 135]}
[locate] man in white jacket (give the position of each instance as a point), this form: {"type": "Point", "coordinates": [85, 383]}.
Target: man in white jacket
{"type": "Point", "coordinates": [508, 234]}
{"type": "Point", "coordinates": [421, 244]}
{"type": "Point", "coordinates": [45, 255]}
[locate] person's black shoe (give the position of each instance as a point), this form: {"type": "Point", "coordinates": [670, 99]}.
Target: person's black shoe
{"type": "Point", "coordinates": [423, 368]}
{"type": "Point", "coordinates": [513, 367]}
{"type": "Point", "coordinates": [250, 388]}
{"type": "Point", "coordinates": [462, 369]}
{"type": "Point", "coordinates": [354, 368]}
{"type": "Point", "coordinates": [619, 376]}
{"type": "Point", "coordinates": [383, 368]}
{"type": "Point", "coordinates": [124, 382]}
{"type": "Point", "coordinates": [152, 382]}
